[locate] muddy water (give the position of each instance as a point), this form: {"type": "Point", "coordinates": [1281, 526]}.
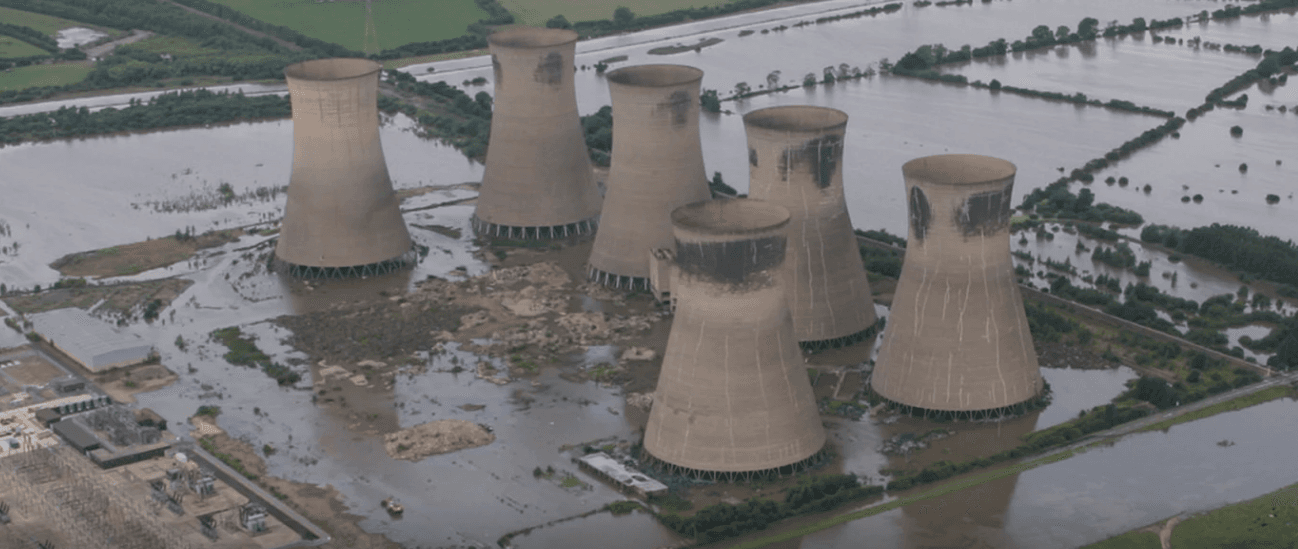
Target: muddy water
{"type": "Point", "coordinates": [1254, 331]}
{"type": "Point", "coordinates": [1139, 480]}
{"type": "Point", "coordinates": [108, 182]}
{"type": "Point", "coordinates": [1131, 68]}
{"type": "Point", "coordinates": [1205, 161]}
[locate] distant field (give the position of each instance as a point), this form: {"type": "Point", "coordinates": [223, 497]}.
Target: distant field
{"type": "Point", "coordinates": [537, 12]}
{"type": "Point", "coordinates": [43, 75]}
{"type": "Point", "coordinates": [13, 47]}
{"type": "Point", "coordinates": [397, 22]}
{"type": "Point", "coordinates": [44, 23]}
{"type": "Point", "coordinates": [173, 45]}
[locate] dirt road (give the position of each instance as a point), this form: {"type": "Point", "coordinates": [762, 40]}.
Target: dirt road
{"type": "Point", "coordinates": [106, 48]}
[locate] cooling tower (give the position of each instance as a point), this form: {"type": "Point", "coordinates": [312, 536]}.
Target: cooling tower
{"type": "Point", "coordinates": [957, 337]}
{"type": "Point", "coordinates": [342, 215]}
{"type": "Point", "coordinates": [795, 157]}
{"type": "Point", "coordinates": [538, 181]}
{"type": "Point", "coordinates": [733, 395]}
{"type": "Point", "coordinates": [657, 167]}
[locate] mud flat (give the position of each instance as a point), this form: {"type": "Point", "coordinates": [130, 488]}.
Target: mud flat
{"type": "Point", "coordinates": [123, 300]}
{"type": "Point", "coordinates": [436, 437]}
{"type": "Point", "coordinates": [135, 258]}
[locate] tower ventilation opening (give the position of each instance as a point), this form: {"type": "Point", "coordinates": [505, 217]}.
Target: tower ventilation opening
{"type": "Point", "coordinates": [733, 396]}
{"type": "Point", "coordinates": [657, 167]}
{"type": "Point", "coordinates": [957, 339]}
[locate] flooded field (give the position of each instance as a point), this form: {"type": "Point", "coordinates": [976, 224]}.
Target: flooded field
{"type": "Point", "coordinates": [84, 194]}
{"type": "Point", "coordinates": [1106, 491]}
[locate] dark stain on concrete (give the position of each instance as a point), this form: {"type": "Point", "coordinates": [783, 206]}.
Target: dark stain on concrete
{"type": "Point", "coordinates": [984, 213]}
{"type": "Point", "coordinates": [495, 69]}
{"type": "Point", "coordinates": [678, 104]}
{"type": "Point", "coordinates": [920, 216]}
{"type": "Point", "coordinates": [820, 157]}
{"type": "Point", "coordinates": [732, 262]}
{"type": "Point", "coordinates": [550, 69]}
{"type": "Point", "coordinates": [752, 157]}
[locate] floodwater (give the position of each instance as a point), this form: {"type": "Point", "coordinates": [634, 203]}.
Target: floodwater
{"type": "Point", "coordinates": [83, 194]}
{"type": "Point", "coordinates": [1139, 480]}
{"type": "Point", "coordinates": [96, 183]}
{"type": "Point", "coordinates": [1272, 30]}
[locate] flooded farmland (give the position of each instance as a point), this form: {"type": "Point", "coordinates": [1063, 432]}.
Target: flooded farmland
{"type": "Point", "coordinates": [83, 194]}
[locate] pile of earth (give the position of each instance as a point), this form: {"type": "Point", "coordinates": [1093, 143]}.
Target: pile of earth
{"type": "Point", "coordinates": [435, 437]}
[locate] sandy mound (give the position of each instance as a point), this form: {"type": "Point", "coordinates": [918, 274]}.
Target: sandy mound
{"type": "Point", "coordinates": [435, 437]}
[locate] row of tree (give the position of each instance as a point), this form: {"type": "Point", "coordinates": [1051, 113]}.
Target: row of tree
{"type": "Point", "coordinates": [725, 521]}
{"type": "Point", "coordinates": [188, 108]}
{"type": "Point", "coordinates": [1238, 248]}
{"type": "Point", "coordinates": [30, 36]}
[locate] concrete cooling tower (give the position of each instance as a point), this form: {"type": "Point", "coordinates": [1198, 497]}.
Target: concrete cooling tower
{"type": "Point", "coordinates": [733, 396]}
{"type": "Point", "coordinates": [538, 181]}
{"type": "Point", "coordinates": [342, 217]}
{"type": "Point", "coordinates": [657, 167]}
{"type": "Point", "coordinates": [957, 338]}
{"type": "Point", "coordinates": [795, 157]}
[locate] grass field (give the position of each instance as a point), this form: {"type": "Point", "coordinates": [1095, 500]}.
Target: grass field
{"type": "Point", "coordinates": [173, 45]}
{"type": "Point", "coordinates": [47, 24]}
{"type": "Point", "coordinates": [1270, 521]}
{"type": "Point", "coordinates": [44, 75]}
{"type": "Point", "coordinates": [537, 12]}
{"type": "Point", "coordinates": [1129, 540]}
{"type": "Point", "coordinates": [13, 47]}
{"type": "Point", "coordinates": [397, 22]}
{"type": "Point", "coordinates": [404, 61]}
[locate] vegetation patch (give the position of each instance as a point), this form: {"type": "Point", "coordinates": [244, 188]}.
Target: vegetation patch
{"type": "Point", "coordinates": [43, 23]}
{"type": "Point", "coordinates": [43, 75]}
{"type": "Point", "coordinates": [343, 23]}
{"type": "Point", "coordinates": [135, 258]}
{"type": "Point", "coordinates": [13, 47]}
{"type": "Point", "coordinates": [1265, 395]}
{"type": "Point", "coordinates": [244, 352]}
{"type": "Point", "coordinates": [1129, 540]}
{"type": "Point", "coordinates": [1266, 521]}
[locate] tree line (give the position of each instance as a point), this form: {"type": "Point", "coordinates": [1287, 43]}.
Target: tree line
{"type": "Point", "coordinates": [1238, 248]}
{"type": "Point", "coordinates": [187, 108]}
{"type": "Point", "coordinates": [40, 40]}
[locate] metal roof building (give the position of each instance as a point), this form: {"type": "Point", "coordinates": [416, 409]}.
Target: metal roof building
{"type": "Point", "coordinates": [90, 341]}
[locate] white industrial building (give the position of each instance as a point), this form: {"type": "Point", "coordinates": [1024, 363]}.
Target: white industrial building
{"type": "Point", "coordinates": [90, 341]}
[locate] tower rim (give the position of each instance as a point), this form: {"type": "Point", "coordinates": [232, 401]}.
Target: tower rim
{"type": "Point", "coordinates": [730, 217]}
{"type": "Point", "coordinates": [657, 75]}
{"type": "Point", "coordinates": [532, 38]}
{"type": "Point", "coordinates": [332, 69]}
{"type": "Point", "coordinates": [959, 169]}
{"type": "Point", "coordinates": [797, 118]}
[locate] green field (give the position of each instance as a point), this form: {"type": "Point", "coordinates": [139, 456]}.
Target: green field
{"type": "Point", "coordinates": [1267, 522]}
{"type": "Point", "coordinates": [537, 12]}
{"type": "Point", "coordinates": [397, 22]}
{"type": "Point", "coordinates": [173, 45]}
{"type": "Point", "coordinates": [13, 47]}
{"type": "Point", "coordinates": [44, 75]}
{"type": "Point", "coordinates": [1129, 540]}
{"type": "Point", "coordinates": [44, 23]}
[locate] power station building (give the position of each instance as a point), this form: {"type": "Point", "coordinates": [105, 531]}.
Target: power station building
{"type": "Point", "coordinates": [795, 157]}
{"type": "Point", "coordinates": [657, 167]}
{"type": "Point", "coordinates": [342, 216]}
{"type": "Point", "coordinates": [957, 338]}
{"type": "Point", "coordinates": [733, 398]}
{"type": "Point", "coordinates": [538, 181]}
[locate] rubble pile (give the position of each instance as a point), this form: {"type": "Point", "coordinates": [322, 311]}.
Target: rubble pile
{"type": "Point", "coordinates": [436, 437]}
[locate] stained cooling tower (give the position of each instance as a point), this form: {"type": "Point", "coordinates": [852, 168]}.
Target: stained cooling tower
{"type": "Point", "coordinates": [957, 338]}
{"type": "Point", "coordinates": [538, 181]}
{"type": "Point", "coordinates": [733, 395]}
{"type": "Point", "coordinates": [795, 157]}
{"type": "Point", "coordinates": [342, 216]}
{"type": "Point", "coordinates": [657, 167]}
